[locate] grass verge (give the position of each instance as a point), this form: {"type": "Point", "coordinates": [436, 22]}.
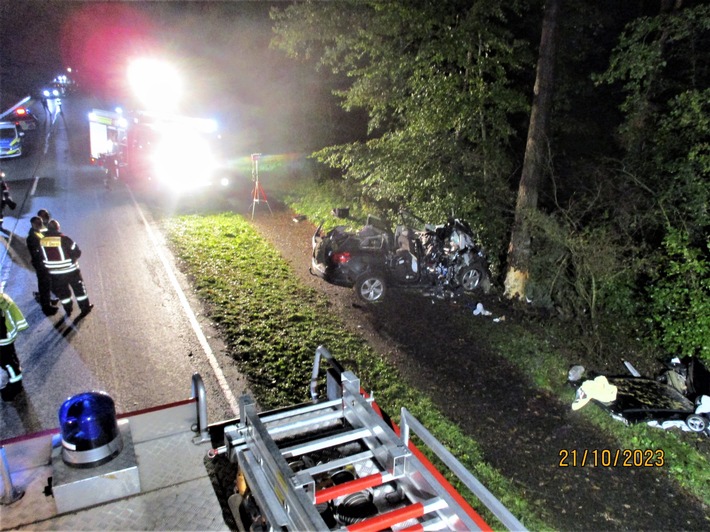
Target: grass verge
{"type": "Point", "coordinates": [272, 326]}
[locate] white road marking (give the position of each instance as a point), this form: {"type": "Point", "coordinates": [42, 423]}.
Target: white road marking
{"type": "Point", "coordinates": [189, 313]}
{"type": "Point", "coordinates": [34, 185]}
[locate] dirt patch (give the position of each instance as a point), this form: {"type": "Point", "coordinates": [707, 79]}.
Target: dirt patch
{"type": "Point", "coordinates": [520, 428]}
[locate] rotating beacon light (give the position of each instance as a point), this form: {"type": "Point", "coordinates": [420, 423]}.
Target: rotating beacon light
{"type": "Point", "coordinates": [89, 430]}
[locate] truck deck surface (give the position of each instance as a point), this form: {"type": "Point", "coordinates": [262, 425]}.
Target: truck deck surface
{"type": "Point", "coordinates": [335, 463]}
{"type": "Point", "coordinates": [175, 489]}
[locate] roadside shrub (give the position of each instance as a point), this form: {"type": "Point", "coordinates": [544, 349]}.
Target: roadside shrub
{"type": "Point", "coordinates": [316, 198]}
{"type": "Point", "coordinates": [680, 297]}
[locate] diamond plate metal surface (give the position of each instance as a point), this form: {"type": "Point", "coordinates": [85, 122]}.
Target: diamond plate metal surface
{"type": "Point", "coordinates": [176, 491]}
{"type": "Point", "coordinates": [188, 506]}
{"type": "Point", "coordinates": [170, 460]}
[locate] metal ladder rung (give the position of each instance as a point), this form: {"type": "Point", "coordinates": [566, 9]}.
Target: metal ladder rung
{"type": "Point", "coordinates": [324, 443]}
{"type": "Point", "coordinates": [304, 423]}
{"type": "Point", "coordinates": [305, 409]}
{"type": "Point", "coordinates": [429, 525]}
{"type": "Point", "coordinates": [400, 515]}
{"type": "Point", "coordinates": [352, 486]}
{"type": "Point", "coordinates": [339, 463]}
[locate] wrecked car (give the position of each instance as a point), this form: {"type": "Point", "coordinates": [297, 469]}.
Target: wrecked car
{"type": "Point", "coordinates": [678, 397]}
{"type": "Point", "coordinates": [441, 260]}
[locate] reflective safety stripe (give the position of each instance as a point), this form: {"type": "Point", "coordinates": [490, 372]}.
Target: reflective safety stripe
{"type": "Point", "coordinates": [13, 328]}
{"type": "Point", "coordinates": [14, 377]}
{"type": "Point", "coordinates": [55, 259]}
{"type": "Point", "coordinates": [66, 301]}
{"type": "Point", "coordinates": [61, 269]}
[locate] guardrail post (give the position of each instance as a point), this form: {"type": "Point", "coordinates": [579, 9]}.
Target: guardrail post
{"type": "Point", "coordinates": [199, 393]}
{"type": "Point", "coordinates": [10, 493]}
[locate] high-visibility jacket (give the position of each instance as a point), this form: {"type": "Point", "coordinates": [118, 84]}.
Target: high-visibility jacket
{"type": "Point", "coordinates": [14, 319]}
{"type": "Point", "coordinates": [60, 253]}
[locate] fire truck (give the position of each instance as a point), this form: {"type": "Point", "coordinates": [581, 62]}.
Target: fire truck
{"type": "Point", "coordinates": [174, 152]}
{"type": "Point", "coordinates": [337, 462]}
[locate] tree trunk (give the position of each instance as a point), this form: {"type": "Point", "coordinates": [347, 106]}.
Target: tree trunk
{"type": "Point", "coordinates": [519, 249]}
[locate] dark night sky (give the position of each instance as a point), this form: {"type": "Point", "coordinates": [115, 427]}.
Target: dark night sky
{"type": "Point", "coordinates": [220, 47]}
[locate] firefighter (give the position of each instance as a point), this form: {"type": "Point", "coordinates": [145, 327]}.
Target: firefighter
{"type": "Point", "coordinates": [60, 255]}
{"type": "Point", "coordinates": [11, 322]}
{"type": "Point", "coordinates": [44, 279]}
{"type": "Point", "coordinates": [45, 216]}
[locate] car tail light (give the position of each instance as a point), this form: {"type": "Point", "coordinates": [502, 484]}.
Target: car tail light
{"type": "Point", "coordinates": [341, 258]}
{"type": "Point", "coordinates": [21, 111]}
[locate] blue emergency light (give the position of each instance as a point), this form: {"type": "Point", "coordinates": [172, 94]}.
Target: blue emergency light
{"type": "Point", "coordinates": [89, 430]}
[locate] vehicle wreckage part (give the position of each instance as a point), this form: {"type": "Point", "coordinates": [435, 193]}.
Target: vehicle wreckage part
{"type": "Point", "coordinates": [371, 288]}
{"type": "Point", "coordinates": [696, 422]}
{"type": "Point", "coordinates": [469, 278]}
{"type": "Point", "coordinates": [679, 397]}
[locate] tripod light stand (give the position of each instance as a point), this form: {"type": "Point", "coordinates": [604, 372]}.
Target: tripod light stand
{"type": "Point", "coordinates": [258, 195]}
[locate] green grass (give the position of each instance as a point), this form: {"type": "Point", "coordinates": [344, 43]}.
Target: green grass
{"type": "Point", "coordinates": [272, 326]}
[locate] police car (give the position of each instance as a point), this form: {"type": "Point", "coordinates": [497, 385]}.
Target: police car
{"type": "Point", "coordinates": [23, 118]}
{"type": "Point", "coordinates": [10, 140]}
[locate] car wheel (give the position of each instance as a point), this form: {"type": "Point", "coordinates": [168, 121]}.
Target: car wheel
{"type": "Point", "coordinates": [696, 423]}
{"type": "Point", "coordinates": [470, 277]}
{"type": "Point", "coordinates": [371, 288]}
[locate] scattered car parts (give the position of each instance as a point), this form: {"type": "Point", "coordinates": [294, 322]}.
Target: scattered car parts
{"type": "Point", "coordinates": [678, 397]}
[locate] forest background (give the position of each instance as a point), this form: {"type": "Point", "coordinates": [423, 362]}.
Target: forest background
{"type": "Point", "coordinates": [574, 137]}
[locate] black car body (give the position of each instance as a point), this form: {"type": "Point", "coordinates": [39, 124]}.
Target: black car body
{"type": "Point", "coordinates": [441, 259]}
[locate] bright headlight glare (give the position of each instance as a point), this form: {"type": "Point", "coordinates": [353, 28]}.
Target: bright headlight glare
{"type": "Point", "coordinates": [183, 160]}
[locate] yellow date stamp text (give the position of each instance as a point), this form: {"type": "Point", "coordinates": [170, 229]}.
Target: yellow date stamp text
{"type": "Point", "coordinates": [612, 458]}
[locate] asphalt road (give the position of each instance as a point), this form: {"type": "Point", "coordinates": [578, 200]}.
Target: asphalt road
{"type": "Point", "coordinates": [139, 344]}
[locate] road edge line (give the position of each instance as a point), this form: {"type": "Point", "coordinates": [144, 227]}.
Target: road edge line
{"type": "Point", "coordinates": [221, 379]}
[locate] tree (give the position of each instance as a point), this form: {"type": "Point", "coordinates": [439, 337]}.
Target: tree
{"type": "Point", "coordinates": [660, 63]}
{"type": "Point", "coordinates": [519, 251]}
{"type": "Point", "coordinates": [435, 78]}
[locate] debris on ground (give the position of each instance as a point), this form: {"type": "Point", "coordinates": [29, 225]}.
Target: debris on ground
{"type": "Point", "coordinates": [678, 397]}
{"type": "Point", "coordinates": [479, 310]}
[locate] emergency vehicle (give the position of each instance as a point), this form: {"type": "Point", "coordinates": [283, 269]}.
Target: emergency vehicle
{"type": "Point", "coordinates": [175, 152]}
{"type": "Point", "coordinates": [13, 123]}
{"type": "Point", "coordinates": [335, 463]}
{"type": "Point", "coordinates": [11, 138]}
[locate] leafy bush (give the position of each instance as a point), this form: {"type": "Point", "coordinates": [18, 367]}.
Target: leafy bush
{"type": "Point", "coordinates": [316, 198]}
{"type": "Point", "coordinates": [680, 297]}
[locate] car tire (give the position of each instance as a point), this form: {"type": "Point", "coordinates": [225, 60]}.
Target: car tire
{"type": "Point", "coordinates": [696, 422]}
{"type": "Point", "coordinates": [371, 287]}
{"type": "Point", "coordinates": [471, 277]}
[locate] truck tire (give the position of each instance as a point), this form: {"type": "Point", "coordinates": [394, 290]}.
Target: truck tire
{"type": "Point", "coordinates": [371, 287]}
